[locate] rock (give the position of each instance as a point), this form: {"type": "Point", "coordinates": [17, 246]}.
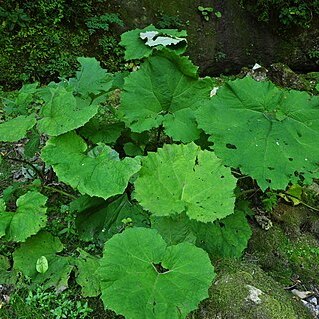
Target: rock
{"type": "Point", "coordinates": [244, 291]}
{"type": "Point", "coordinates": [282, 75]}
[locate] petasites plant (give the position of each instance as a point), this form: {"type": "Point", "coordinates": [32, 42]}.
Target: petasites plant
{"type": "Point", "coordinates": [184, 179]}
{"type": "Point", "coordinates": [143, 278]}
{"type": "Point", "coordinates": [268, 133]}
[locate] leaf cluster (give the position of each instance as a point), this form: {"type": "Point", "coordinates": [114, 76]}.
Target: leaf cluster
{"type": "Point", "coordinates": [153, 174]}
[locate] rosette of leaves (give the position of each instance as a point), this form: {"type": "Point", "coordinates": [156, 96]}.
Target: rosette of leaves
{"type": "Point", "coordinates": [184, 179]}
{"type": "Point", "coordinates": [143, 278]}
{"type": "Point", "coordinates": [28, 219]}
{"type": "Point", "coordinates": [165, 91]}
{"type": "Point", "coordinates": [268, 133]}
{"type": "Point", "coordinates": [98, 172]}
{"type": "Point", "coordinates": [140, 43]}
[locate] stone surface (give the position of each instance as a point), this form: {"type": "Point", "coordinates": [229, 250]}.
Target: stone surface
{"type": "Point", "coordinates": [243, 291]}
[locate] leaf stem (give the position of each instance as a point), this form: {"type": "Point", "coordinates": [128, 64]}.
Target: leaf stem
{"type": "Point", "coordinates": [56, 190]}
{"type": "Point", "coordinates": [301, 202]}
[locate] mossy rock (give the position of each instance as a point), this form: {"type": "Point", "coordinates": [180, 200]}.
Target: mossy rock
{"type": "Point", "coordinates": [243, 291]}
{"type": "Point", "coordinates": [286, 257]}
{"type": "Point", "coordinates": [282, 75]}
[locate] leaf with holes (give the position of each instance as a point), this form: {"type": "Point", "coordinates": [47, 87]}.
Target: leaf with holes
{"type": "Point", "coordinates": [165, 91]}
{"type": "Point", "coordinates": [183, 179]}
{"type": "Point", "coordinates": [137, 45]}
{"type": "Point", "coordinates": [64, 112]}
{"type": "Point", "coordinates": [17, 128]}
{"type": "Point", "coordinates": [143, 278]}
{"type": "Point", "coordinates": [225, 238]}
{"type": "Point", "coordinates": [270, 134]}
{"type": "Point", "coordinates": [28, 219]}
{"type": "Point", "coordinates": [99, 172]}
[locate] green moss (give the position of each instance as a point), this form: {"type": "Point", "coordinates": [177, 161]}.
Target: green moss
{"type": "Point", "coordinates": [284, 256]}
{"type": "Point", "coordinates": [243, 290]}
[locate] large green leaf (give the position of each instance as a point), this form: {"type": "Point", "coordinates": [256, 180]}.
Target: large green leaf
{"type": "Point", "coordinates": [91, 79]}
{"type": "Point", "coordinates": [16, 129]}
{"type": "Point", "coordinates": [98, 172]}
{"type": "Point", "coordinates": [43, 244]}
{"type": "Point", "coordinates": [99, 221]}
{"type": "Point", "coordinates": [270, 134]}
{"type": "Point", "coordinates": [139, 44]}
{"type": "Point", "coordinates": [142, 278]}
{"type": "Point", "coordinates": [182, 178]}
{"type": "Point", "coordinates": [63, 112]}
{"type": "Point", "coordinates": [227, 237]}
{"type": "Point", "coordinates": [28, 219]}
{"type": "Point", "coordinates": [165, 91]}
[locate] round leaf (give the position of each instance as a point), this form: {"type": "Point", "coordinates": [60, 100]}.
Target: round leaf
{"type": "Point", "coordinates": [182, 178]}
{"type": "Point", "coordinates": [99, 172]}
{"type": "Point", "coordinates": [270, 134]}
{"type": "Point", "coordinates": [143, 278]}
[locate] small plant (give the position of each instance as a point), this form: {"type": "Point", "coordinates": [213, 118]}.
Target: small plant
{"type": "Point", "coordinates": [207, 11]}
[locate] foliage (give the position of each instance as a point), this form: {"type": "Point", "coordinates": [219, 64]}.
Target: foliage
{"type": "Point", "coordinates": [103, 22]}
{"type": "Point", "coordinates": [146, 103]}
{"type": "Point", "coordinates": [156, 197]}
{"type": "Point", "coordinates": [41, 39]}
{"type": "Point", "coordinates": [155, 280]}
{"type": "Point", "coordinates": [207, 11]}
{"type": "Point", "coordinates": [288, 13]}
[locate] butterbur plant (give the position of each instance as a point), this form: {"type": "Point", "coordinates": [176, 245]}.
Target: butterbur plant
{"type": "Point", "coordinates": [156, 198]}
